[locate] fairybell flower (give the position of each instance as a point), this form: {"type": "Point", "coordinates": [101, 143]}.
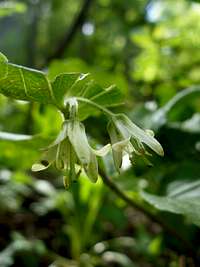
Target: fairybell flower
{"type": "Point", "coordinates": [126, 137]}
{"type": "Point", "coordinates": [70, 149]}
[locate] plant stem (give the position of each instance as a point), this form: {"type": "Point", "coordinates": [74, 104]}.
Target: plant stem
{"type": "Point", "coordinates": [189, 248]}
{"type": "Point", "coordinates": [70, 34]}
{"type": "Point", "coordinates": [104, 110]}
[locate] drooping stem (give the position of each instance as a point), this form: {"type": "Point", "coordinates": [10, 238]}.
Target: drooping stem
{"type": "Point", "coordinates": [167, 228]}
{"type": "Point", "coordinates": [90, 102]}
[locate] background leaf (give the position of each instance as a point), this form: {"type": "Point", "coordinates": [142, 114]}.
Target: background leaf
{"type": "Point", "coordinates": [182, 198]}
{"type": "Point", "coordinates": [8, 8]}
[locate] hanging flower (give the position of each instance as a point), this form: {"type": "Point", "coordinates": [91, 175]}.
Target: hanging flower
{"type": "Point", "coordinates": [71, 148]}
{"type": "Point", "coordinates": [126, 137]}
{"type": "Point", "coordinates": [71, 152]}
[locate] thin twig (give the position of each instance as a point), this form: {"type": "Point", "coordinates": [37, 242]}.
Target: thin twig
{"type": "Point", "coordinates": [31, 48]}
{"type": "Point", "coordinates": [34, 13]}
{"type": "Point", "coordinates": [189, 248]}
{"type": "Point", "coordinates": [67, 39]}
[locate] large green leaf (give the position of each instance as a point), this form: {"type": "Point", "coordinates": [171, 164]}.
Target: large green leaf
{"type": "Point", "coordinates": [108, 98]}
{"type": "Point", "coordinates": [20, 150]}
{"type": "Point", "coordinates": [28, 84]}
{"type": "Point", "coordinates": [183, 197]}
{"type": "Point", "coordinates": [80, 85]}
{"type": "Point", "coordinates": [25, 84]}
{"type": "Point", "coordinates": [63, 85]}
{"type": "Point", "coordinates": [3, 66]}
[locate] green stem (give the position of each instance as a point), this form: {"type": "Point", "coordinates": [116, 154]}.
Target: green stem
{"type": "Point", "coordinates": [104, 110]}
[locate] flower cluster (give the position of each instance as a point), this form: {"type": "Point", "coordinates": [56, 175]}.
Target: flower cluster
{"type": "Point", "coordinates": [71, 149]}
{"type": "Point", "coordinates": [71, 152]}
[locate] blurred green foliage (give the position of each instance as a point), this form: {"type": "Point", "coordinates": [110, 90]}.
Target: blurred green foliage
{"type": "Point", "coordinates": [150, 50]}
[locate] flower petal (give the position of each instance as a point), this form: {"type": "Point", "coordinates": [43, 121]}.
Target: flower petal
{"type": "Point", "coordinates": [115, 138]}
{"type": "Point", "coordinates": [36, 167]}
{"type": "Point", "coordinates": [61, 136]}
{"type": "Point", "coordinates": [47, 159]}
{"type": "Point", "coordinates": [121, 145]}
{"type": "Point", "coordinates": [102, 151]}
{"type": "Point", "coordinates": [123, 124]}
{"type": "Point", "coordinates": [78, 139]}
{"type": "Point", "coordinates": [92, 169]}
{"type": "Point", "coordinates": [70, 159]}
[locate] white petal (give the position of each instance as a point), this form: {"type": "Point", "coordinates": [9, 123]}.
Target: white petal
{"type": "Point", "coordinates": [121, 145]}
{"type": "Point", "coordinates": [78, 139]}
{"type": "Point", "coordinates": [114, 137]}
{"type": "Point", "coordinates": [102, 151]}
{"type": "Point", "coordinates": [38, 167]}
{"type": "Point", "coordinates": [123, 123]}
{"type": "Point", "coordinates": [92, 169]}
{"type": "Point", "coordinates": [61, 136]}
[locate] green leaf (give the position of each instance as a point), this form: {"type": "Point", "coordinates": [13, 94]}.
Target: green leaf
{"type": "Point", "coordinates": [63, 85]}
{"type": "Point", "coordinates": [8, 8]}
{"type": "Point", "coordinates": [14, 137]}
{"type": "Point", "coordinates": [182, 197]}
{"type": "Point", "coordinates": [3, 66]}
{"type": "Point", "coordinates": [68, 85]}
{"type": "Point", "coordinates": [107, 98]}
{"type": "Point", "coordinates": [192, 125]}
{"type": "Point", "coordinates": [3, 58]}
{"type": "Point", "coordinates": [35, 141]}
{"type": "Point", "coordinates": [20, 151]}
{"type": "Point", "coordinates": [160, 117]}
{"type": "Point", "coordinates": [26, 84]}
